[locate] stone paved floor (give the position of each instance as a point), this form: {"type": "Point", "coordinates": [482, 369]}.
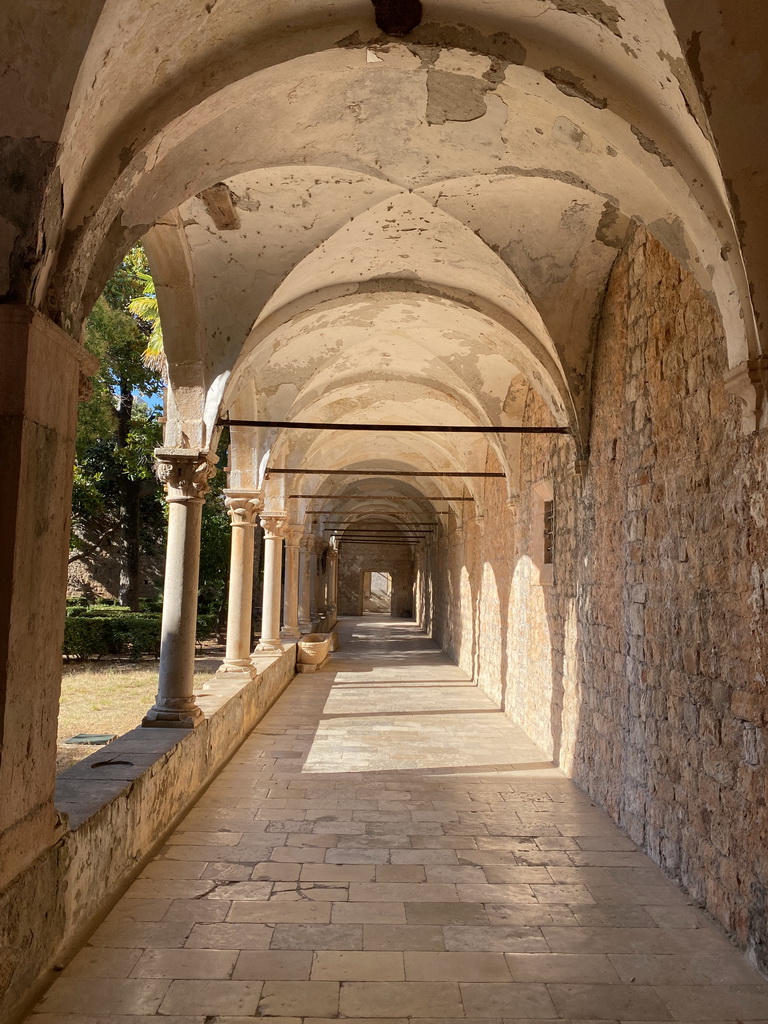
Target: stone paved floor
{"type": "Point", "coordinates": [386, 844]}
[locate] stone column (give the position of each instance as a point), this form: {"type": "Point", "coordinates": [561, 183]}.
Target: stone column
{"type": "Point", "coordinates": [333, 586]}
{"type": "Point", "coordinates": [305, 585]}
{"type": "Point", "coordinates": [293, 535]}
{"type": "Point", "coordinates": [242, 507]}
{"type": "Point", "coordinates": [274, 524]}
{"type": "Point", "coordinates": [316, 598]}
{"type": "Point", "coordinates": [185, 473]}
{"type": "Point", "coordinates": [43, 374]}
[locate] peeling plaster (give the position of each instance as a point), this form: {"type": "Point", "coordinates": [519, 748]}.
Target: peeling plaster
{"type": "Point", "coordinates": [671, 233]}
{"type": "Point", "coordinates": [696, 100]}
{"type": "Point", "coordinates": [425, 39]}
{"type": "Point", "coordinates": [650, 146]}
{"type": "Point", "coordinates": [453, 97]}
{"type": "Point", "coordinates": [613, 227]}
{"type": "Point", "coordinates": [598, 10]}
{"type": "Point", "coordinates": [570, 85]}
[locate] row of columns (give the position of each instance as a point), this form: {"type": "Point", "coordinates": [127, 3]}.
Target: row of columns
{"type": "Point", "coordinates": [309, 592]}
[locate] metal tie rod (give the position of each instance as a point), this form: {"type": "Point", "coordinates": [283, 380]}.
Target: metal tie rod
{"type": "Point", "coordinates": [372, 472]}
{"type": "Point", "coordinates": [383, 536]}
{"type": "Point", "coordinates": [361, 522]}
{"type": "Point", "coordinates": [417, 428]}
{"type": "Point", "coordinates": [324, 512]}
{"type": "Point", "coordinates": [383, 497]}
{"type": "Point", "coordinates": [402, 543]}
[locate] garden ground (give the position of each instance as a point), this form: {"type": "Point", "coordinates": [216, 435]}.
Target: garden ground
{"type": "Point", "coordinates": [110, 697]}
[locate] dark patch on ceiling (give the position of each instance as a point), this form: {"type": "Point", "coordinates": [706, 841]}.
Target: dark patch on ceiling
{"type": "Point", "coordinates": [397, 17]}
{"type": "Point", "coordinates": [220, 206]}
{"type": "Point", "coordinates": [613, 227]}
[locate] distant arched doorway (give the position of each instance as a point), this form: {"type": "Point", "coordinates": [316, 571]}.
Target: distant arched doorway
{"type": "Point", "coordinates": [377, 593]}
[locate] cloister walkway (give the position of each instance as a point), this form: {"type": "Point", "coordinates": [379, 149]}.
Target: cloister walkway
{"type": "Point", "coordinates": [386, 844]}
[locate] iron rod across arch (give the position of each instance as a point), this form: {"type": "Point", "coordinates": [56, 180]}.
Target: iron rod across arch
{"type": "Point", "coordinates": [384, 497]}
{"type": "Point", "coordinates": [294, 471]}
{"type": "Point", "coordinates": [393, 427]}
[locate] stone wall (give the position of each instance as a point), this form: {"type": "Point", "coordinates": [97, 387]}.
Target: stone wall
{"type": "Point", "coordinates": [356, 559]}
{"type": "Point", "coordinates": [672, 624]}
{"type": "Point", "coordinates": [97, 575]}
{"type": "Point", "coordinates": [639, 664]}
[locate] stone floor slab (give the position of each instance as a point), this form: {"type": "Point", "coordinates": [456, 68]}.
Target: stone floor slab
{"type": "Point", "coordinates": [386, 846]}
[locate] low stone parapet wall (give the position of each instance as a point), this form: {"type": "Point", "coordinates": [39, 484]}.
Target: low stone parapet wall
{"type": "Point", "coordinates": [120, 802]}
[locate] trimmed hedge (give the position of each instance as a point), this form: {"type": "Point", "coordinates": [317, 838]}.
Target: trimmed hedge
{"type": "Point", "coordinates": [90, 633]}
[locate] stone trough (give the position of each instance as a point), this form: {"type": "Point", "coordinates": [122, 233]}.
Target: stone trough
{"type": "Point", "coordinates": [314, 649]}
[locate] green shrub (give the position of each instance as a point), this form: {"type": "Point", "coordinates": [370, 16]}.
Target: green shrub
{"type": "Point", "coordinates": [111, 631]}
{"type": "Point", "coordinates": [86, 637]}
{"type": "Point", "coordinates": [135, 634]}
{"type": "Point", "coordinates": [130, 634]}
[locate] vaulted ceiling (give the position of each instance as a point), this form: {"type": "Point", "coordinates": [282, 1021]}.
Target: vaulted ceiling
{"type": "Point", "coordinates": [409, 221]}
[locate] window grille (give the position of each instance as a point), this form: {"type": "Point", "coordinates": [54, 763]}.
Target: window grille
{"type": "Point", "coordinates": [549, 531]}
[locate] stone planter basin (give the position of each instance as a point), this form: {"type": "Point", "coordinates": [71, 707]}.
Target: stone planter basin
{"type": "Point", "coordinates": [314, 648]}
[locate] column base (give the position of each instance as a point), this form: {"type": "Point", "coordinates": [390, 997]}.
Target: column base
{"type": "Point", "coordinates": [234, 666]}
{"type": "Point", "coordinates": [268, 647]}
{"type": "Point", "coordinates": [170, 717]}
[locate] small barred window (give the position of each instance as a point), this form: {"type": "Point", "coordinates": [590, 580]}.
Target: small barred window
{"type": "Point", "coordinates": [549, 531]}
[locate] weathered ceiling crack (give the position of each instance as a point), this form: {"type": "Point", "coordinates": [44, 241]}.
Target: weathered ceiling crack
{"type": "Point", "coordinates": [570, 85]}
{"type": "Point", "coordinates": [650, 146]}
{"type": "Point", "coordinates": [567, 178]}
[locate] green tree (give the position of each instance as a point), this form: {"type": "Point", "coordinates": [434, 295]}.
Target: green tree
{"type": "Point", "coordinates": [115, 493]}
{"type": "Point", "coordinates": [146, 308]}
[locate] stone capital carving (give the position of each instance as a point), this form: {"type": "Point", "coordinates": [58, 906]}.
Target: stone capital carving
{"type": "Point", "coordinates": [748, 382]}
{"type": "Point", "coordinates": [184, 472]}
{"type": "Point", "coordinates": [242, 507]}
{"type": "Point", "coordinates": [274, 524]}
{"type": "Point", "coordinates": [294, 535]}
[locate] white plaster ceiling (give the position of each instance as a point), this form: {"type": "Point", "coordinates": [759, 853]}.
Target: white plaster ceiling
{"type": "Point", "coordinates": [424, 228]}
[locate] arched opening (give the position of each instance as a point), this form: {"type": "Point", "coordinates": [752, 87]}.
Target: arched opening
{"type": "Point", "coordinates": [377, 592]}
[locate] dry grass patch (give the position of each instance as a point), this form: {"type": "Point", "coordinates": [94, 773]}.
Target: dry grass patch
{"type": "Point", "coordinates": [102, 698]}
{"type": "Point", "coordinates": [105, 697]}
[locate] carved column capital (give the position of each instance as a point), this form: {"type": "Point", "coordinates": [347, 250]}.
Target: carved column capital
{"type": "Point", "coordinates": [274, 524]}
{"type": "Point", "coordinates": [294, 536]}
{"type": "Point", "coordinates": [184, 473]}
{"type": "Point", "coordinates": [748, 382]}
{"type": "Point", "coordinates": [242, 507]}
